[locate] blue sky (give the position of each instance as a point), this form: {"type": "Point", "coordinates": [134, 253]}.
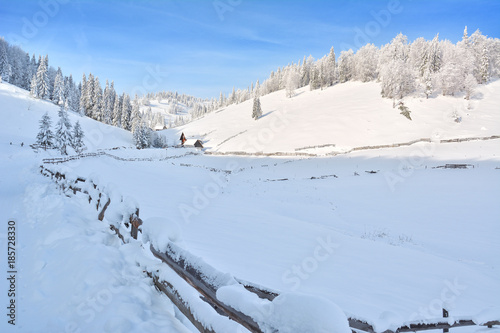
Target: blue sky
{"type": "Point", "coordinates": [204, 47]}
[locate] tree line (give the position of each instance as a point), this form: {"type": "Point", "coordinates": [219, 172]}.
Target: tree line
{"type": "Point", "coordinates": [427, 66]}
{"type": "Point", "coordinates": [88, 97]}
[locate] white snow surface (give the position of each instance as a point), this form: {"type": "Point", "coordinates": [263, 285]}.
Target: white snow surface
{"type": "Point", "coordinates": [384, 234]}
{"type": "Point", "coordinates": [289, 312]}
{"type": "Point", "coordinates": [160, 231]}
{"type": "Point", "coordinates": [342, 117]}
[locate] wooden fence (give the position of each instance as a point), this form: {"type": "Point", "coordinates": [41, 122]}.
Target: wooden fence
{"type": "Point", "coordinates": [59, 160]}
{"type": "Point", "coordinates": [181, 262]}
{"type": "Point", "coordinates": [360, 148]}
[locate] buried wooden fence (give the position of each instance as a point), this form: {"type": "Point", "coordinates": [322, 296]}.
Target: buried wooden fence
{"type": "Point", "coordinates": [194, 271]}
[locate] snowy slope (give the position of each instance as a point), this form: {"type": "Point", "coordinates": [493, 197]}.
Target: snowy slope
{"type": "Point", "coordinates": [21, 114]}
{"type": "Point", "coordinates": [342, 117]}
{"type": "Point", "coordinates": [72, 274]}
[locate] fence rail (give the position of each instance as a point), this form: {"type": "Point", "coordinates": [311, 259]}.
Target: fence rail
{"type": "Point", "coordinates": [297, 152]}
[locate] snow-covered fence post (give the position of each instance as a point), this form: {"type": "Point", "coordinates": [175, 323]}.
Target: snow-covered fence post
{"type": "Point", "coordinates": [445, 315]}
{"type": "Point", "coordinates": [100, 217]}
{"type": "Point", "coordinates": [135, 222]}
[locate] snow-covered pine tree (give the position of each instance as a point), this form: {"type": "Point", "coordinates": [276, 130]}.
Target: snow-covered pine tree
{"type": "Point", "coordinates": [435, 55]}
{"type": "Point", "coordinates": [452, 78]}
{"type": "Point", "coordinates": [58, 92]}
{"type": "Point", "coordinates": [142, 136]}
{"type": "Point", "coordinates": [73, 95]}
{"type": "Point", "coordinates": [485, 65]}
{"type": "Point", "coordinates": [97, 113]}
{"type": "Point", "coordinates": [5, 67]}
{"type": "Point", "coordinates": [345, 66]}
{"type": "Point", "coordinates": [112, 96]}
{"type": "Point", "coordinates": [465, 37]}
{"type": "Point", "coordinates": [27, 73]}
{"type": "Point", "coordinates": [16, 59]}
{"type": "Point", "coordinates": [90, 98]}
{"type": "Point", "coordinates": [136, 114]}
{"type": "Point", "coordinates": [117, 111]}
{"type": "Point", "coordinates": [45, 137]}
{"type": "Point", "coordinates": [257, 110]}
{"type": "Point", "coordinates": [34, 87]}
{"type": "Point", "coordinates": [64, 136]}
{"type": "Point", "coordinates": [34, 65]}
{"type": "Point", "coordinates": [77, 142]}
{"type": "Point", "coordinates": [126, 113]}
{"type": "Point", "coordinates": [322, 77]}
{"type": "Point", "coordinates": [109, 97]}
{"type": "Point", "coordinates": [42, 80]}
{"type": "Point", "coordinates": [256, 91]}
{"type": "Point", "coordinates": [83, 95]}
{"type": "Point", "coordinates": [418, 57]}
{"type": "Point", "coordinates": [428, 86]}
{"type": "Point", "coordinates": [51, 75]}
{"type": "Point", "coordinates": [305, 70]}
{"type": "Point", "coordinates": [365, 63]}
{"type": "Point", "coordinates": [292, 81]}
{"type": "Point", "coordinates": [314, 78]}
{"type": "Point", "coordinates": [397, 80]}
{"type": "Point", "coordinates": [330, 68]}
{"type": "Point", "coordinates": [106, 108]}
{"type": "Point", "coordinates": [158, 141]}
{"type": "Point", "coordinates": [470, 85]}
{"type": "Point", "coordinates": [232, 99]}
{"type": "Point", "coordinates": [404, 110]}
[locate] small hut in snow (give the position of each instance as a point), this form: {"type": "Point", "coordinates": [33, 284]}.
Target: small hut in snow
{"type": "Point", "coordinates": [160, 127]}
{"type": "Point", "coordinates": [193, 143]}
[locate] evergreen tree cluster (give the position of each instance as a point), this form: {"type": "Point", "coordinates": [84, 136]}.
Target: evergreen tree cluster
{"type": "Point", "coordinates": [88, 97]}
{"type": "Point", "coordinates": [431, 67]}
{"type": "Point", "coordinates": [65, 134]}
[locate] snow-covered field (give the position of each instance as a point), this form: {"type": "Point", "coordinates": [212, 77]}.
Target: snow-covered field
{"type": "Point", "coordinates": [385, 234]}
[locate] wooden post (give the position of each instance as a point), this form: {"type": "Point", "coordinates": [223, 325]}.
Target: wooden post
{"type": "Point", "coordinates": [445, 315]}
{"type": "Point", "coordinates": [100, 217]}
{"type": "Point", "coordinates": [98, 202]}
{"type": "Point", "coordinates": [135, 222]}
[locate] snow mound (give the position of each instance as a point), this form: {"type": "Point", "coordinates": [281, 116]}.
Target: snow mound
{"type": "Point", "coordinates": [160, 232]}
{"type": "Point", "coordinates": [490, 314]}
{"type": "Point", "coordinates": [295, 312]}
{"type": "Point", "coordinates": [289, 312]}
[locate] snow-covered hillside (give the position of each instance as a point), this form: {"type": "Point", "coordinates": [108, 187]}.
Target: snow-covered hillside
{"type": "Point", "coordinates": [387, 235]}
{"type": "Point", "coordinates": [342, 117]}
{"type": "Point", "coordinates": [21, 114]}
{"type": "Point", "coordinates": [72, 276]}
